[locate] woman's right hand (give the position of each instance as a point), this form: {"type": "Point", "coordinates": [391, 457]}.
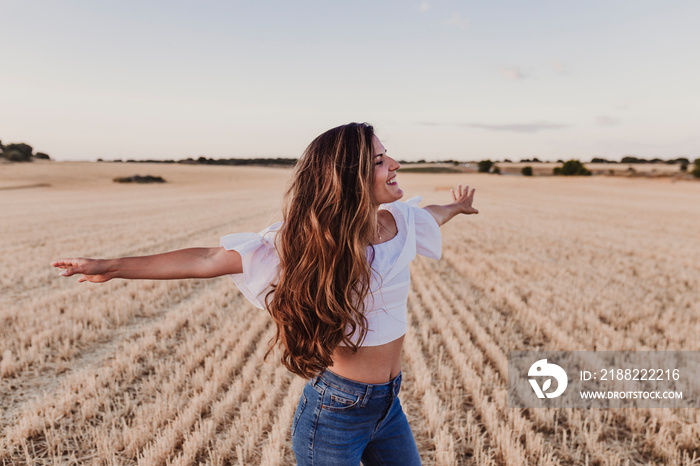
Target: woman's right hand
{"type": "Point", "coordinates": [464, 199]}
{"type": "Point", "coordinates": [93, 270]}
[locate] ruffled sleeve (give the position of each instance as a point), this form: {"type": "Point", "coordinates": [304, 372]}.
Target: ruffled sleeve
{"type": "Point", "coordinates": [260, 262]}
{"type": "Point", "coordinates": [428, 236]}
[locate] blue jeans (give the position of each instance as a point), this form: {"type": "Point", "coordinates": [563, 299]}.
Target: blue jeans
{"type": "Point", "coordinates": [340, 421]}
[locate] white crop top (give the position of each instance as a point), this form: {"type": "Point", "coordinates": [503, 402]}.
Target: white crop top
{"type": "Point", "coordinates": [385, 306]}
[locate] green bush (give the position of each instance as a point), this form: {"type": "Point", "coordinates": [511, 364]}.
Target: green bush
{"type": "Point", "coordinates": [496, 170]}
{"type": "Point", "coordinates": [25, 149]}
{"type": "Point", "coordinates": [18, 152]}
{"type": "Point", "coordinates": [526, 171]}
{"type": "Point", "coordinates": [572, 168]}
{"type": "Point", "coordinates": [485, 166]}
{"type": "Point", "coordinates": [696, 170]}
{"type": "Point", "coordinates": [15, 156]}
{"type": "Point", "coordinates": [139, 179]}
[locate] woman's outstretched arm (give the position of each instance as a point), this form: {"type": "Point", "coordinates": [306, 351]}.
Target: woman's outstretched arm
{"type": "Point", "coordinates": [462, 205]}
{"type": "Point", "coordinates": [183, 263]}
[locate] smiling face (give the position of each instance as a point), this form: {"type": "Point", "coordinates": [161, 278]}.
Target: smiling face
{"type": "Point", "coordinates": [385, 187]}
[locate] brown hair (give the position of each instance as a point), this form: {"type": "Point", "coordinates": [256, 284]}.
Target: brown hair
{"type": "Point", "coordinates": [324, 278]}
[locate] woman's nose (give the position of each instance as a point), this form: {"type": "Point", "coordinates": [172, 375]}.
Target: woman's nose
{"type": "Point", "coordinates": [397, 165]}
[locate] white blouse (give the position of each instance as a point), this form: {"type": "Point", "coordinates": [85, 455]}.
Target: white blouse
{"type": "Point", "coordinates": [385, 306]}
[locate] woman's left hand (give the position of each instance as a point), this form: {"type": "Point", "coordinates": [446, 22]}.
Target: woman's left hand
{"type": "Point", "coordinates": [464, 199]}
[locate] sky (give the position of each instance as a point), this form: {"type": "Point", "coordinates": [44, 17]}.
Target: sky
{"type": "Point", "coordinates": [462, 80]}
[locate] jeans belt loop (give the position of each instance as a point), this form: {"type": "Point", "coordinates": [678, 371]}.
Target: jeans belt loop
{"type": "Point", "coordinates": [365, 398]}
{"type": "Point", "coordinates": [315, 385]}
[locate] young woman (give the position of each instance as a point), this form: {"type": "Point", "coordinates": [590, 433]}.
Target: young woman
{"type": "Point", "coordinates": [334, 276]}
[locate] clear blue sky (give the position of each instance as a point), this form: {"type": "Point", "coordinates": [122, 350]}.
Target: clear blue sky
{"type": "Point", "coordinates": [438, 79]}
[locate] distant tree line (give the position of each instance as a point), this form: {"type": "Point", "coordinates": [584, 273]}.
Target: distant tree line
{"type": "Point", "coordinates": [631, 159]}
{"type": "Point", "coordinates": [257, 161]}
{"type": "Point", "coordinates": [576, 168]}
{"type": "Point", "coordinates": [261, 161]}
{"type": "Point", "coordinates": [625, 159]}
{"type": "Point", "coordinates": [569, 168]}
{"type": "Point", "coordinates": [452, 161]}
{"type": "Point", "coordinates": [20, 152]}
{"type": "Point", "coordinates": [208, 161]}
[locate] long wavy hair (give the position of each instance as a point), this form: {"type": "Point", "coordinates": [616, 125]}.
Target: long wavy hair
{"type": "Point", "coordinates": [324, 277]}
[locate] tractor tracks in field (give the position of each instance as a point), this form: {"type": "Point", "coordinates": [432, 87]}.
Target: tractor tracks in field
{"type": "Point", "coordinates": [37, 381]}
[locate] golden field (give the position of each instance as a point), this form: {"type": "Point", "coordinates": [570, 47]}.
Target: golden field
{"type": "Point", "coordinates": [171, 372]}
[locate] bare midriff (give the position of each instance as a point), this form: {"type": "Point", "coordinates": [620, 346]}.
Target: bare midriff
{"type": "Point", "coordinates": [370, 364]}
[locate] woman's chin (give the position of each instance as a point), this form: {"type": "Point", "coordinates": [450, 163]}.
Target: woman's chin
{"type": "Point", "coordinates": [392, 195]}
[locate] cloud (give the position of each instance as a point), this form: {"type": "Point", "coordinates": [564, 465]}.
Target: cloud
{"type": "Point", "coordinates": [425, 6]}
{"type": "Point", "coordinates": [517, 127]}
{"type": "Point", "coordinates": [607, 121]}
{"type": "Point", "coordinates": [513, 73]}
{"type": "Point", "coordinates": [559, 67]}
{"type": "Point", "coordinates": [456, 20]}
{"type": "Point", "coordinates": [513, 127]}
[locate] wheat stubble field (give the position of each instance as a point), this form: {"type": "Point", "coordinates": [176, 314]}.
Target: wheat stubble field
{"type": "Point", "coordinates": [171, 372]}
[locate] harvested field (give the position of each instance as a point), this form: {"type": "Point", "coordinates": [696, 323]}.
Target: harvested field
{"type": "Point", "coordinates": [172, 372]}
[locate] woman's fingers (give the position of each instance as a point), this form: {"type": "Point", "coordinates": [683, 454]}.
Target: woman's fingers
{"type": "Point", "coordinates": [462, 193]}
{"type": "Point", "coordinates": [66, 263]}
{"type": "Point", "coordinates": [89, 268]}
{"type": "Point", "coordinates": [70, 266]}
{"type": "Point", "coordinates": [464, 197]}
{"type": "Point", "coordinates": [465, 192]}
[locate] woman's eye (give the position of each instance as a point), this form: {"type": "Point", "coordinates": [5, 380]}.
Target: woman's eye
{"type": "Point", "coordinates": [378, 163]}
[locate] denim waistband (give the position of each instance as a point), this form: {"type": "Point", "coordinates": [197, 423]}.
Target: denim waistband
{"type": "Point", "coordinates": [358, 388]}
